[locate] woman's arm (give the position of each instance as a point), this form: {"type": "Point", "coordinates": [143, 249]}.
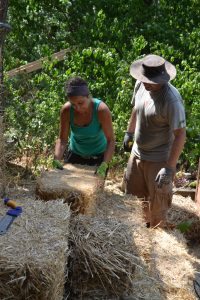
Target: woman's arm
{"type": "Point", "coordinates": [105, 120]}
{"type": "Point", "coordinates": [61, 142]}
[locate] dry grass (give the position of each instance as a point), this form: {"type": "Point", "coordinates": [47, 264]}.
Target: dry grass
{"type": "Point", "coordinates": [34, 252]}
{"type": "Point", "coordinates": [173, 264]}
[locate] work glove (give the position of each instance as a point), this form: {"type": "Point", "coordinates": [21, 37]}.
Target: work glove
{"type": "Point", "coordinates": [102, 170]}
{"type": "Point", "coordinates": [164, 176]}
{"type": "Point", "coordinates": [56, 164]}
{"type": "Point", "coordinates": [128, 141]}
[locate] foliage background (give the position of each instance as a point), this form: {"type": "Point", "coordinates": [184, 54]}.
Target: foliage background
{"type": "Point", "coordinates": [104, 37]}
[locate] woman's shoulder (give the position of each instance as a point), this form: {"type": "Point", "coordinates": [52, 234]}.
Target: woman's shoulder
{"type": "Point", "coordinates": [104, 113]}
{"type": "Point", "coordinates": [66, 107]}
{"type": "Point", "coordinates": [101, 105]}
{"type": "Point", "coordinates": [65, 111]}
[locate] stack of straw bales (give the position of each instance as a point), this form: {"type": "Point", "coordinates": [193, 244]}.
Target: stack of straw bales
{"type": "Point", "coordinates": [113, 256]}
{"type": "Point", "coordinates": [111, 252]}
{"type": "Point", "coordinates": [76, 184]}
{"type": "Point", "coordinates": [34, 252]}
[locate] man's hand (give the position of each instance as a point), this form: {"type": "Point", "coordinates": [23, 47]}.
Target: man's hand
{"type": "Point", "coordinates": [128, 141]}
{"type": "Point", "coordinates": [102, 170]}
{"type": "Point", "coordinates": [56, 164]}
{"type": "Point", "coordinates": [164, 176]}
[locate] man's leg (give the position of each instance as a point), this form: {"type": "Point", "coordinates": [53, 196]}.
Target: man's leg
{"type": "Point", "coordinates": [135, 183]}
{"type": "Point", "coordinates": [160, 198]}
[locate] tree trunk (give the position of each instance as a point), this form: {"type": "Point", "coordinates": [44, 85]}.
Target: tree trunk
{"type": "Point", "coordinates": [197, 196]}
{"type": "Point", "coordinates": [3, 10]}
{"type": "Point", "coordinates": [4, 29]}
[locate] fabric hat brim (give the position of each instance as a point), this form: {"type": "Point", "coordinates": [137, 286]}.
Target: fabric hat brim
{"type": "Point", "coordinates": [136, 71]}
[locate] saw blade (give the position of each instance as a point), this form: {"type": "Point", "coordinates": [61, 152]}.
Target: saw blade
{"type": "Point", "coordinates": [5, 223]}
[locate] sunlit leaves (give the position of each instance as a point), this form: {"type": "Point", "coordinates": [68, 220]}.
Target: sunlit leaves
{"type": "Point", "coordinates": [106, 36]}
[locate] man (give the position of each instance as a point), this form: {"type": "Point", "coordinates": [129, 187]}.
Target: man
{"type": "Point", "coordinates": [157, 124]}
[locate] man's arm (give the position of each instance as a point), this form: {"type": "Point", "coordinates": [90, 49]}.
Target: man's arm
{"type": "Point", "coordinates": [177, 147]}
{"type": "Point", "coordinates": [132, 122]}
{"type": "Point", "coordinates": [61, 142]}
{"type": "Point", "coordinates": [128, 137]}
{"type": "Point", "coordinates": [105, 120]}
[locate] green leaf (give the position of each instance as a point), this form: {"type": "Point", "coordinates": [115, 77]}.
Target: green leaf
{"type": "Point", "coordinates": [184, 226]}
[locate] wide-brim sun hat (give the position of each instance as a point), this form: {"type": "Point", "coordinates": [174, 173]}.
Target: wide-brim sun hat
{"type": "Point", "coordinates": [153, 69]}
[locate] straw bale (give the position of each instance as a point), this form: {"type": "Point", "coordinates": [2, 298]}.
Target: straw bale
{"type": "Point", "coordinates": [105, 256]}
{"type": "Point", "coordinates": [34, 252]}
{"type": "Point", "coordinates": [193, 233]}
{"type": "Point", "coordinates": [186, 210]}
{"type": "Point", "coordinates": [77, 184]}
{"type": "Point", "coordinates": [183, 209]}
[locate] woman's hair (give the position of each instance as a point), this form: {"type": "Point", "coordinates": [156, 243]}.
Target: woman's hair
{"type": "Point", "coordinates": [76, 86]}
{"type": "Point", "coordinates": [76, 81]}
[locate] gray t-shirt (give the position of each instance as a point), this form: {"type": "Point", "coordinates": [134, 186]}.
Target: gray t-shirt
{"type": "Point", "coordinates": [158, 115]}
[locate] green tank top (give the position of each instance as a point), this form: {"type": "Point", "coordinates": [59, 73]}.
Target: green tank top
{"type": "Point", "coordinates": [87, 140]}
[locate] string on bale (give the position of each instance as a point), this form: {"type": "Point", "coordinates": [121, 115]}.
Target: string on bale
{"type": "Point", "coordinates": [34, 252]}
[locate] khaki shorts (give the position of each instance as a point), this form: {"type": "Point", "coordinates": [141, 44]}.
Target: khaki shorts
{"type": "Point", "coordinates": [140, 181]}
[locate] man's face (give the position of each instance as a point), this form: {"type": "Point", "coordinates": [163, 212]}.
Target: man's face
{"type": "Point", "coordinates": [152, 87]}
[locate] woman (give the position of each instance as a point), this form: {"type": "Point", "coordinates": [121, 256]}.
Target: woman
{"type": "Point", "coordinates": [89, 122]}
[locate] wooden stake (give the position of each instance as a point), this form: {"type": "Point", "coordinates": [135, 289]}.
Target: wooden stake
{"type": "Point", "coordinates": [197, 194]}
{"type": "Point", "coordinates": [4, 29]}
{"type": "Point", "coordinates": [37, 64]}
